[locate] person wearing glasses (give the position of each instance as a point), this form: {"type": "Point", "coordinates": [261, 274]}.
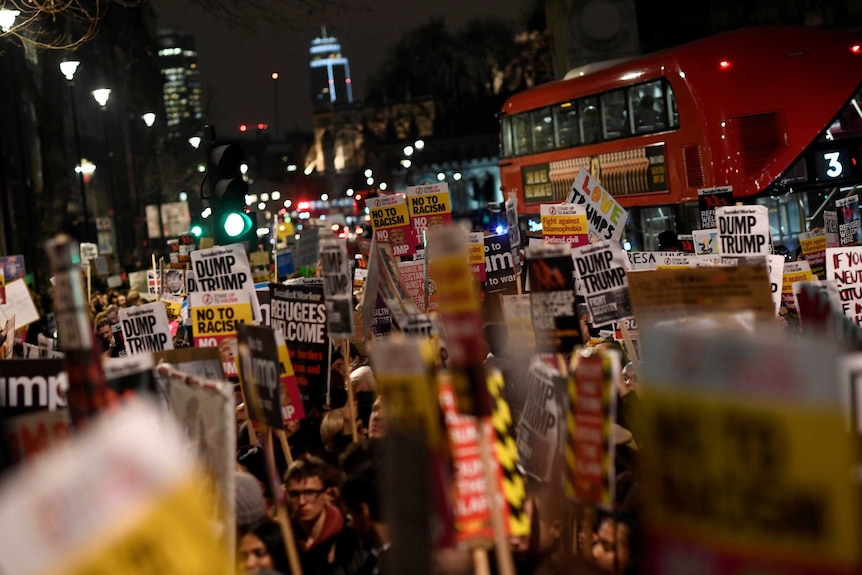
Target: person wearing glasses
{"type": "Point", "coordinates": [323, 541]}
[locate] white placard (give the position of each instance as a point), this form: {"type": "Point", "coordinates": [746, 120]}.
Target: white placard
{"type": "Point", "coordinates": [146, 328]}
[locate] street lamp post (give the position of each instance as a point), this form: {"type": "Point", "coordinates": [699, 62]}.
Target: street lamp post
{"type": "Point", "coordinates": [101, 96]}
{"type": "Point", "coordinates": [275, 104]}
{"type": "Point", "coordinates": [68, 69]}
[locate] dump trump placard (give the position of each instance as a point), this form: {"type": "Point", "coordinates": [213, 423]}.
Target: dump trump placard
{"type": "Point", "coordinates": [743, 230]}
{"type": "Point", "coordinates": [601, 267]}
{"type": "Point", "coordinates": [225, 268]}
{"type": "Point", "coordinates": [146, 328]}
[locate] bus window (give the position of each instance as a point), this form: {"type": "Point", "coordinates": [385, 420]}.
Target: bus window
{"type": "Point", "coordinates": [506, 138]}
{"type": "Point", "coordinates": [568, 131]}
{"type": "Point", "coordinates": [615, 115]}
{"type": "Point", "coordinates": [648, 107]}
{"type": "Point", "coordinates": [522, 134]}
{"type": "Point", "coordinates": [589, 108]}
{"type": "Point", "coordinates": [671, 106]}
{"type": "Point", "coordinates": [543, 130]}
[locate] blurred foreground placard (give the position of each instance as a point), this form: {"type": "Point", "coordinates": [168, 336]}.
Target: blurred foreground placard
{"type": "Point", "coordinates": [728, 289]}
{"type": "Point", "coordinates": [747, 464]}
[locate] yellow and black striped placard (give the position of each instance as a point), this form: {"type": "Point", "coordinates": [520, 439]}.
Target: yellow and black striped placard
{"type": "Point", "coordinates": [507, 455]}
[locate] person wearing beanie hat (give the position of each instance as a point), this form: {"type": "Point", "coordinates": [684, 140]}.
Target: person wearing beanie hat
{"type": "Point", "coordinates": [250, 504]}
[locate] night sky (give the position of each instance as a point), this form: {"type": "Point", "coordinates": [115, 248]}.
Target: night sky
{"type": "Point", "coordinates": [236, 62]}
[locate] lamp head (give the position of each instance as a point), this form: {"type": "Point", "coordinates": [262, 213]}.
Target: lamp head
{"type": "Point", "coordinates": [101, 96]}
{"type": "Point", "coordinates": [68, 68]}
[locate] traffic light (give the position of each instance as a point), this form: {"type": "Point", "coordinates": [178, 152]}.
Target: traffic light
{"type": "Point", "coordinates": [227, 191]}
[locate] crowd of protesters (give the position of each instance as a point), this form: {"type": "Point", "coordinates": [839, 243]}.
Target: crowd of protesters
{"type": "Point", "coordinates": [334, 502]}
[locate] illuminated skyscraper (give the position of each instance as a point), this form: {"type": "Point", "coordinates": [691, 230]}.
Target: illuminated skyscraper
{"type": "Point", "coordinates": [330, 73]}
{"type": "Point", "coordinates": [178, 60]}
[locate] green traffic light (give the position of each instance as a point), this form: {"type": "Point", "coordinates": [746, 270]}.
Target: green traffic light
{"type": "Point", "coordinates": [197, 231]}
{"type": "Point", "coordinates": [236, 224]}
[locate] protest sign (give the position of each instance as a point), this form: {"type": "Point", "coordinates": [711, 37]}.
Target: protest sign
{"type": "Point", "coordinates": [705, 242]}
{"type": "Point", "coordinates": [541, 427]}
{"type": "Point", "coordinates": [674, 262]}
{"type": "Point", "coordinates": [291, 400]}
{"type": "Point", "coordinates": [19, 304]}
{"type": "Point", "coordinates": [337, 285]}
{"type": "Point", "coordinates": [752, 433]}
{"type": "Point", "coordinates": [516, 310]}
{"type": "Point", "coordinates": [131, 376]}
{"type": "Point", "coordinates": [403, 368]}
{"type": "Point", "coordinates": [430, 207]}
{"type": "Point", "coordinates": [500, 274]}
{"type": "Point", "coordinates": [413, 278]}
{"type": "Point", "coordinates": [472, 515]}
{"type": "Point", "coordinates": [814, 251]}
{"type": "Point", "coordinates": [476, 255]}
{"type": "Point", "coordinates": [830, 228]}
{"type": "Point", "coordinates": [710, 198]}
{"type": "Point", "coordinates": [122, 497]}
{"type": "Point", "coordinates": [743, 230]}
{"type": "Point", "coordinates": [200, 362]}
{"type": "Point", "coordinates": [819, 306]}
{"type": "Point", "coordinates": [381, 321]}
{"type": "Point", "coordinates": [385, 279]}
{"type": "Point", "coordinates": [32, 385]}
{"type": "Point", "coordinates": [460, 314]}
{"type": "Point", "coordinates": [101, 265]}
{"type": "Point", "coordinates": [173, 306]}
{"type": "Point", "coordinates": [174, 281]}
{"type": "Point", "coordinates": [601, 269]}
{"type": "Point", "coordinates": [13, 267]}
{"type": "Point", "coordinates": [592, 388]}
{"type": "Point", "coordinates": [721, 289]}
{"type": "Point", "coordinates": [31, 434]}
{"type": "Point", "coordinates": [605, 216]}
{"type": "Point", "coordinates": [138, 281]}
{"type": "Point", "coordinates": [552, 298]}
{"type": "Point", "coordinates": [794, 272]}
{"type": "Point", "coordinates": [650, 260]}
{"type": "Point", "coordinates": [686, 243]}
{"type": "Point", "coordinates": [260, 374]}
{"type": "Point", "coordinates": [390, 221]}
{"type": "Point", "coordinates": [844, 267]}
{"type": "Point", "coordinates": [215, 317]}
{"type": "Point", "coordinates": [299, 313]}
{"type": "Point", "coordinates": [849, 221]}
{"type": "Point", "coordinates": [284, 262]}
{"type": "Point", "coordinates": [89, 252]}
{"type": "Point", "coordinates": [225, 268]}
{"type": "Point", "coordinates": [308, 249]}
{"type": "Point", "coordinates": [565, 224]}
{"type": "Point", "coordinates": [204, 409]}
{"type": "Point", "coordinates": [513, 228]}
{"type": "Point", "coordinates": [146, 328]}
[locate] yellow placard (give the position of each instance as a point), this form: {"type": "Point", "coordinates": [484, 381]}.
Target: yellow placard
{"type": "Point", "coordinates": [453, 279]}
{"type": "Point", "coordinates": [430, 204]}
{"type": "Point", "coordinates": [173, 308]}
{"type": "Point", "coordinates": [813, 244]}
{"type": "Point", "coordinates": [174, 535]}
{"type": "Point", "coordinates": [752, 478]}
{"type": "Point", "coordinates": [789, 279]}
{"type": "Point", "coordinates": [476, 254]}
{"type": "Point", "coordinates": [392, 216]}
{"type": "Point", "coordinates": [565, 225]}
{"type": "Point", "coordinates": [285, 367]}
{"type": "Point", "coordinates": [219, 320]}
{"type": "Point", "coordinates": [409, 390]}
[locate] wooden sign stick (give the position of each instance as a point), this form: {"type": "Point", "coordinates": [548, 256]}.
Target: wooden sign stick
{"type": "Point", "coordinates": [351, 411]}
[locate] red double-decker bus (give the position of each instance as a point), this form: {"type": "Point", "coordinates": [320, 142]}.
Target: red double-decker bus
{"type": "Point", "coordinates": [773, 112]}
